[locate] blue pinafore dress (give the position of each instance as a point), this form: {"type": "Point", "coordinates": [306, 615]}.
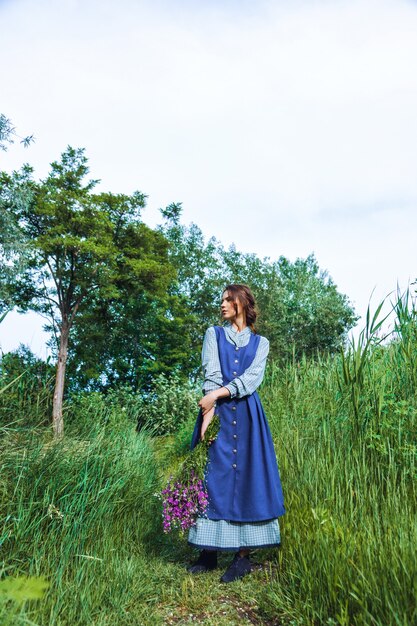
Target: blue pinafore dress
{"type": "Point", "coordinates": [242, 477]}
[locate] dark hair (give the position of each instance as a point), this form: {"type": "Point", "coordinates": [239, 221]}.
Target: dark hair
{"type": "Point", "coordinates": [248, 302]}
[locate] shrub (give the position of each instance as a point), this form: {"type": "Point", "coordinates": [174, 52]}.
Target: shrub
{"type": "Point", "coordinates": [170, 403]}
{"type": "Point", "coordinates": [28, 384]}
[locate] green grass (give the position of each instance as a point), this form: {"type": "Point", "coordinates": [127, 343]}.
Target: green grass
{"type": "Point", "coordinates": [83, 514]}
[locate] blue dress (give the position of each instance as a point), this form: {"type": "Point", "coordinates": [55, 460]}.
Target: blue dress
{"type": "Point", "coordinates": [242, 477]}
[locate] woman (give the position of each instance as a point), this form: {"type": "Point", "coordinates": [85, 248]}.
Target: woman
{"type": "Point", "coordinates": [242, 478]}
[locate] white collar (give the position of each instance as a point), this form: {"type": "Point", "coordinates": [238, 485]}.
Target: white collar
{"type": "Point", "coordinates": [237, 332]}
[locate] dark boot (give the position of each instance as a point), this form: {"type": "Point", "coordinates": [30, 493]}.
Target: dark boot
{"type": "Point", "coordinates": [205, 562]}
{"type": "Point", "coordinates": [239, 567]}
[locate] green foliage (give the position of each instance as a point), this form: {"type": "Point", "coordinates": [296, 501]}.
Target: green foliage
{"type": "Point", "coordinates": [170, 403]}
{"type": "Point", "coordinates": [166, 407]}
{"type": "Point", "coordinates": [15, 591]}
{"type": "Point", "coordinates": [28, 384]}
{"type": "Point", "coordinates": [87, 252]}
{"type": "Point", "coordinates": [8, 134]}
{"type": "Point", "coordinates": [200, 276]}
{"type": "Point", "coordinates": [180, 443]}
{"type": "Point", "coordinates": [365, 392]}
{"type": "Point", "coordinates": [129, 341]}
{"type": "Point", "coordinates": [348, 555]}
{"type": "Point", "coordinates": [115, 410]}
{"type": "Point", "coordinates": [355, 360]}
{"type": "Point", "coordinates": [395, 437]}
{"type": "Point", "coordinates": [140, 308]}
{"type": "Point", "coordinates": [195, 461]}
{"type": "Point", "coordinates": [14, 246]}
{"type": "Point", "coordinates": [22, 588]}
{"type": "Point", "coordinates": [302, 311]}
{"type": "Point", "coordinates": [406, 333]}
{"type": "Point", "coordinates": [81, 243]}
{"type": "Point", "coordinates": [78, 513]}
{"type": "Point", "coordinates": [349, 531]}
{"type": "Point", "coordinates": [82, 512]}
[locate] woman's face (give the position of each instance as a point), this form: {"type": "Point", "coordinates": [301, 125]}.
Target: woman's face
{"type": "Point", "coordinates": [228, 307]}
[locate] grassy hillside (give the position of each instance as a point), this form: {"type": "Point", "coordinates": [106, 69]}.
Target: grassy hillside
{"type": "Point", "coordinates": [83, 514]}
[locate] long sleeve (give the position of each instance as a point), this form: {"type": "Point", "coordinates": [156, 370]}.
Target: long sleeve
{"type": "Point", "coordinates": [213, 377]}
{"type": "Point", "coordinates": [249, 381]}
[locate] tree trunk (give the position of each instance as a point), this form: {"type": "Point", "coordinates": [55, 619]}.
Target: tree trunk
{"type": "Point", "coordinates": [57, 419]}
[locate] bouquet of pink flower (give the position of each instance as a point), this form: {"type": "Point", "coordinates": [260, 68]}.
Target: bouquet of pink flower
{"type": "Point", "coordinates": [185, 497]}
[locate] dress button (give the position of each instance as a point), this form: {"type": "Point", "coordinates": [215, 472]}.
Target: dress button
{"type": "Point", "coordinates": [236, 360]}
{"type": "Point", "coordinates": [236, 348]}
{"type": "Point", "coordinates": [234, 373]}
{"type": "Point", "coordinates": [233, 408]}
{"type": "Point", "coordinates": [234, 436]}
{"type": "Point", "coordinates": [234, 422]}
{"type": "Point", "coordinates": [234, 451]}
{"type": "Point", "coordinates": [234, 465]}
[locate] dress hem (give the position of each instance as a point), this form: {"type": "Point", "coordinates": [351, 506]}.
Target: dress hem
{"type": "Point", "coordinates": [234, 548]}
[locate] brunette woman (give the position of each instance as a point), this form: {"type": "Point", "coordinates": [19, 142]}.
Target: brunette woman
{"type": "Point", "coordinates": [242, 478]}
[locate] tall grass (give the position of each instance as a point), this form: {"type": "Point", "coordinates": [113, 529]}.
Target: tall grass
{"type": "Point", "coordinates": [345, 429]}
{"type": "Point", "coordinates": [76, 512]}
{"type": "Point", "coordinates": [350, 531]}
{"type": "Point", "coordinates": [26, 388]}
{"type": "Point", "coordinates": [81, 512]}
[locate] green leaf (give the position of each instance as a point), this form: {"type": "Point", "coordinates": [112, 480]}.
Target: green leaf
{"type": "Point", "coordinates": [23, 588]}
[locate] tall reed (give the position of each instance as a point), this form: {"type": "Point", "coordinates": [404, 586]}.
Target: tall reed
{"type": "Point", "coordinates": [345, 429]}
{"type": "Point", "coordinates": [73, 512]}
{"type": "Point", "coordinates": [82, 513]}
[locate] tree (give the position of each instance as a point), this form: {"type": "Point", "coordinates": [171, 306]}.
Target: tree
{"type": "Point", "coordinates": [201, 276]}
{"type": "Point", "coordinates": [130, 341]}
{"type": "Point", "coordinates": [8, 134]}
{"type": "Point", "coordinates": [84, 248]}
{"type": "Point", "coordinates": [304, 313]}
{"type": "Point", "coordinates": [301, 310]}
{"type": "Point", "coordinates": [12, 247]}
{"type": "Point", "coordinates": [27, 387]}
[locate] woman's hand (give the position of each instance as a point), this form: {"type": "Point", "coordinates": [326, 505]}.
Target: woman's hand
{"type": "Point", "coordinates": [207, 402]}
{"type": "Point", "coordinates": [206, 421]}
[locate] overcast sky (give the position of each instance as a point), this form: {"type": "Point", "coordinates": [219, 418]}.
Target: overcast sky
{"type": "Point", "coordinates": [283, 127]}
